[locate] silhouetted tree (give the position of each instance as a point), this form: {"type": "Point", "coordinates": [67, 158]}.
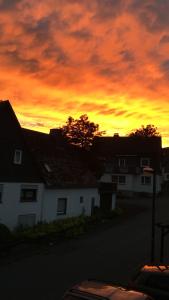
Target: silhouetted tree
{"type": "Point", "coordinates": [81, 132]}
{"type": "Point", "coordinates": [145, 131]}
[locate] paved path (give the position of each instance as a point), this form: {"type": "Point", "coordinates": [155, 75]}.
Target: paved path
{"type": "Point", "coordinates": [111, 255]}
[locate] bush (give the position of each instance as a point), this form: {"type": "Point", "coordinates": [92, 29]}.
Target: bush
{"type": "Point", "coordinates": [5, 233]}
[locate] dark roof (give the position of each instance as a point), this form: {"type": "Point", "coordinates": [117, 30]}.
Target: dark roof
{"type": "Point", "coordinates": [60, 164]}
{"type": "Point", "coordinates": [127, 145]}
{"type": "Point", "coordinates": [106, 148]}
{"type": "Point", "coordinates": [11, 139]}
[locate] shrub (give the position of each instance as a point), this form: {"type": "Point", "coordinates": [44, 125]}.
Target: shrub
{"type": "Point", "coordinates": [5, 233]}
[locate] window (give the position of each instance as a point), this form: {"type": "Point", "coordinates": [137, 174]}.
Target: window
{"type": "Point", "coordinates": [61, 206]}
{"type": "Point", "coordinates": [145, 162]}
{"type": "Point", "coordinates": [28, 194]}
{"type": "Point", "coordinates": [18, 157]}
{"type": "Point", "coordinates": [122, 163]}
{"type": "Point", "coordinates": [120, 179]}
{"type": "Point", "coordinates": [28, 220]}
{"type": "Point", "coordinates": [81, 199]}
{"type": "Point", "coordinates": [146, 180]}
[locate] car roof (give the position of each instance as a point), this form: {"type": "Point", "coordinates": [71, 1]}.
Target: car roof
{"type": "Point", "coordinates": [155, 269]}
{"type": "Point", "coordinates": [106, 290]}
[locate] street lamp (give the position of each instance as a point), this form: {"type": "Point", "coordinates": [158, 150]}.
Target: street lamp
{"type": "Point", "coordinates": [150, 170]}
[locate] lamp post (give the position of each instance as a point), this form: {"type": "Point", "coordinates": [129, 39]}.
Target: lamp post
{"type": "Point", "coordinates": [149, 170]}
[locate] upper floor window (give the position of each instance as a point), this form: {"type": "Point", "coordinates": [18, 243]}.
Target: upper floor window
{"type": "Point", "coordinates": [18, 157]}
{"type": "Point", "coordinates": [122, 179]}
{"type": "Point", "coordinates": [28, 194]}
{"type": "Point", "coordinates": [145, 162]}
{"type": "Point", "coordinates": [122, 163]}
{"type": "Point", "coordinates": [1, 191]}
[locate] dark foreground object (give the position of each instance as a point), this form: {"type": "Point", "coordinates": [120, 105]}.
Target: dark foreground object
{"type": "Point", "coordinates": [153, 280]}
{"type": "Point", "coordinates": [95, 290]}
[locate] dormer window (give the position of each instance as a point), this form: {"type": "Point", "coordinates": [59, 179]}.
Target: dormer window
{"type": "Point", "coordinates": [18, 157]}
{"type": "Point", "coordinates": [145, 162]}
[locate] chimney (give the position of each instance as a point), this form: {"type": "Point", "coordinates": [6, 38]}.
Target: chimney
{"type": "Point", "coordinates": [116, 135]}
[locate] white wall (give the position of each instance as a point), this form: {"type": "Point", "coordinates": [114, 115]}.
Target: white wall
{"type": "Point", "coordinates": [133, 183]}
{"type": "Point", "coordinates": [11, 207]}
{"type": "Point", "coordinates": [74, 207]}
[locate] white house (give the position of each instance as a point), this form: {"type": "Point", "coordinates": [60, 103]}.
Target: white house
{"type": "Point", "coordinates": [125, 160]}
{"type": "Point", "coordinates": [42, 178]}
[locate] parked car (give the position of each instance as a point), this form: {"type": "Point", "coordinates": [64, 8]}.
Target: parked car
{"type": "Point", "coordinates": [96, 290]}
{"type": "Point", "coordinates": [152, 280]}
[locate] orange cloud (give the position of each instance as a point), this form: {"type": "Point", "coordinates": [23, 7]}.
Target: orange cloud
{"type": "Point", "coordinates": [106, 58]}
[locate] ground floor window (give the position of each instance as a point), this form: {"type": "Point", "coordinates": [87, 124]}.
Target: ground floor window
{"type": "Point", "coordinates": [61, 206]}
{"type": "Point", "coordinates": [28, 193]}
{"type": "Point", "coordinates": [27, 220]}
{"type": "Point", "coordinates": [145, 180]}
{"type": "Point", "coordinates": [1, 191]}
{"type": "Point", "coordinates": [120, 179]}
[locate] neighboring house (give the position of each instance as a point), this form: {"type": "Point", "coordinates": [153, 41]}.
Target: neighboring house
{"type": "Point", "coordinates": [165, 164]}
{"type": "Point", "coordinates": [124, 160]}
{"type": "Point", "coordinates": [70, 188]}
{"type": "Point", "coordinates": [42, 178]}
{"type": "Point", "coordinates": [21, 186]}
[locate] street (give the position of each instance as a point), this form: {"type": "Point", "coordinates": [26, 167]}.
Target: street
{"type": "Point", "coordinates": [113, 255]}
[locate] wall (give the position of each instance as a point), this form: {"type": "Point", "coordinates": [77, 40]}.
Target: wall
{"type": "Point", "coordinates": [133, 183]}
{"type": "Point", "coordinates": [11, 207]}
{"type": "Point", "coordinates": [74, 207]}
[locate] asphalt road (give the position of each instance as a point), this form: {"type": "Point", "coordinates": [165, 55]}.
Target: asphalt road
{"type": "Point", "coordinates": [113, 255]}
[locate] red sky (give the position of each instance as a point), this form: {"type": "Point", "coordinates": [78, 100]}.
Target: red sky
{"type": "Point", "coordinates": [106, 58]}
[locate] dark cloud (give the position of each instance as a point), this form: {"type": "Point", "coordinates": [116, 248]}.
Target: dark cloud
{"type": "Point", "coordinates": [127, 55]}
{"type": "Point", "coordinates": [164, 39]}
{"type": "Point", "coordinates": [40, 30]}
{"type": "Point", "coordinates": [27, 65]}
{"type": "Point", "coordinates": [164, 67]}
{"type": "Point", "coordinates": [83, 34]}
{"type": "Point", "coordinates": [107, 72]}
{"type": "Point", "coordinates": [9, 4]}
{"type": "Point", "coordinates": [57, 54]}
{"type": "Point", "coordinates": [107, 9]}
{"type": "Point", "coordinates": [152, 14]}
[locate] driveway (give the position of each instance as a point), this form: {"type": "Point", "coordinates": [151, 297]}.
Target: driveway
{"type": "Point", "coordinates": [112, 255]}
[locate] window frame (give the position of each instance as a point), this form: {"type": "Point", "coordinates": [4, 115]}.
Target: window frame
{"type": "Point", "coordinates": [27, 215]}
{"type": "Point", "coordinates": [117, 179]}
{"type": "Point", "coordinates": [17, 160]}
{"type": "Point", "coordinates": [25, 190]}
{"type": "Point", "coordinates": [63, 212]}
{"type": "Point", "coordinates": [122, 165]}
{"type": "Point", "coordinates": [143, 180]}
{"type": "Point", "coordinates": [122, 176]}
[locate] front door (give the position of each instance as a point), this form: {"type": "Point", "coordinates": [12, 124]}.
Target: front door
{"type": "Point", "coordinates": [106, 201]}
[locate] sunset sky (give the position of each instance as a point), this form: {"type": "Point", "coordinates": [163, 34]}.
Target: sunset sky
{"type": "Point", "coordinates": [105, 58]}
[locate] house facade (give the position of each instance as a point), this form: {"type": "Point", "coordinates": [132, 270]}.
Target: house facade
{"type": "Point", "coordinates": [42, 178]}
{"type": "Point", "coordinates": [125, 161]}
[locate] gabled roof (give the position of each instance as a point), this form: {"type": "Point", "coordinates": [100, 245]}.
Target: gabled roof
{"type": "Point", "coordinates": [60, 164]}
{"type": "Point", "coordinates": [11, 139]}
